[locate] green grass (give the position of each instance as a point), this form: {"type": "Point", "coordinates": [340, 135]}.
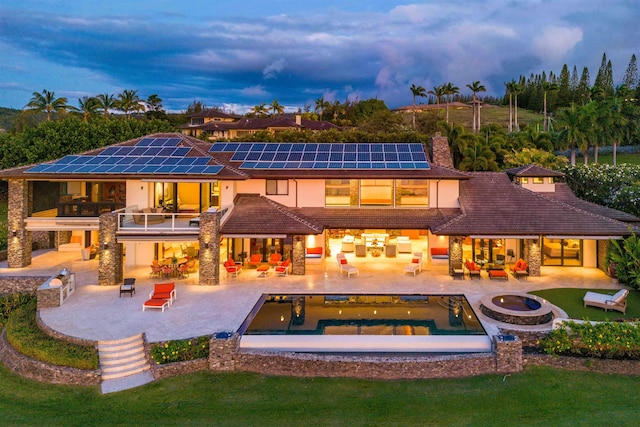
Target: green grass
{"type": "Point", "coordinates": [536, 397]}
{"type": "Point", "coordinates": [570, 300]}
{"type": "Point", "coordinates": [26, 337]}
{"type": "Point", "coordinates": [632, 158]}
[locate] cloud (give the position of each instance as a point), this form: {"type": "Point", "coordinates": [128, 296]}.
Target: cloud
{"type": "Point", "coordinates": [554, 42]}
{"type": "Point", "coordinates": [271, 70]}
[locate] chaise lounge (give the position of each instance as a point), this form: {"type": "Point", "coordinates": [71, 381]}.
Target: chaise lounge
{"type": "Point", "coordinates": [617, 301]}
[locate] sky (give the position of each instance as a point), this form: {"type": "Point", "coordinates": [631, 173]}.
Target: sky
{"type": "Point", "coordinates": [238, 54]}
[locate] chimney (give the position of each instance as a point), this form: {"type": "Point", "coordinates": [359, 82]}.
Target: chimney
{"type": "Point", "coordinates": [298, 119]}
{"type": "Point", "coordinates": [440, 152]}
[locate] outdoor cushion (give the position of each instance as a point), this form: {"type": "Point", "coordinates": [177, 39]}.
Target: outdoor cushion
{"type": "Point", "coordinates": [343, 261]}
{"type": "Point", "coordinates": [619, 296]}
{"type": "Point", "coordinates": [415, 261]}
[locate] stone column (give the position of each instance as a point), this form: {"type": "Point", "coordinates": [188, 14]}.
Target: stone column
{"type": "Point", "coordinates": [533, 256]}
{"type": "Point", "coordinates": [223, 348]}
{"type": "Point", "coordinates": [455, 252]}
{"type": "Point", "coordinates": [110, 265]}
{"type": "Point", "coordinates": [508, 350]}
{"type": "Point", "coordinates": [209, 240]}
{"type": "Point", "coordinates": [298, 256]}
{"type": "Point", "coordinates": [18, 246]}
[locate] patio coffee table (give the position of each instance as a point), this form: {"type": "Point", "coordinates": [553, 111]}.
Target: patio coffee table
{"type": "Point", "coordinates": [263, 270]}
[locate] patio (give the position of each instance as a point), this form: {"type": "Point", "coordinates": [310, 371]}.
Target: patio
{"type": "Point", "coordinates": [98, 313]}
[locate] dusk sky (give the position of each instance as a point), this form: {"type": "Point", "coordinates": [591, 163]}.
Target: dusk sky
{"type": "Point", "coordinates": [237, 54]}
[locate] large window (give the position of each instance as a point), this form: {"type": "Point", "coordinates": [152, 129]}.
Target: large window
{"type": "Point", "coordinates": [412, 192]}
{"type": "Point", "coordinates": [376, 192]}
{"type": "Point", "coordinates": [338, 192]}
{"type": "Point", "coordinates": [278, 187]}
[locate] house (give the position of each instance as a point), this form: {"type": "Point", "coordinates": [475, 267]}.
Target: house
{"type": "Point", "coordinates": [217, 125]}
{"type": "Point", "coordinates": [165, 196]}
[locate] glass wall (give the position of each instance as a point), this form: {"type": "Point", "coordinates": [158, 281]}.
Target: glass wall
{"type": "Point", "coordinates": [377, 192]}
{"type": "Point", "coordinates": [564, 252]}
{"type": "Point", "coordinates": [412, 192]}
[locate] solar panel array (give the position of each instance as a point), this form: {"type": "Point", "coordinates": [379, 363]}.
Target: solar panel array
{"type": "Point", "coordinates": [148, 156]}
{"type": "Point", "coordinates": [393, 156]}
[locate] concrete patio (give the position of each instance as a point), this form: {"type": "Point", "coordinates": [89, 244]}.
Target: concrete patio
{"type": "Point", "coordinates": [98, 313]}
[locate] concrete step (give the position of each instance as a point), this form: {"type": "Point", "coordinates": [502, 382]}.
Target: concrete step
{"type": "Point", "coordinates": [122, 358]}
{"type": "Point", "coordinates": [120, 346]}
{"type": "Point", "coordinates": [126, 373]}
{"type": "Point", "coordinates": [120, 353]}
{"type": "Point", "coordinates": [125, 383]}
{"type": "Point", "coordinates": [134, 356]}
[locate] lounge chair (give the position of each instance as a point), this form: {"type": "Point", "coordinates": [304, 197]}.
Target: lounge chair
{"type": "Point", "coordinates": [232, 268]}
{"type": "Point", "coordinates": [166, 291]}
{"type": "Point", "coordinates": [283, 268]}
{"type": "Point", "coordinates": [255, 260]}
{"type": "Point", "coordinates": [617, 301]}
{"type": "Point", "coordinates": [349, 269]}
{"type": "Point", "coordinates": [263, 270]}
{"type": "Point", "coordinates": [520, 269]}
{"type": "Point", "coordinates": [473, 268]}
{"type": "Point", "coordinates": [415, 265]}
{"type": "Point", "coordinates": [128, 287]}
{"type": "Point", "coordinates": [274, 259]}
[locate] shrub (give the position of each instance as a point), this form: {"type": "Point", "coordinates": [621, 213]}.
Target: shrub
{"type": "Point", "coordinates": [180, 350]}
{"type": "Point", "coordinates": [27, 338]}
{"type": "Point", "coordinates": [606, 340]}
{"type": "Point", "coordinates": [10, 303]}
{"type": "Point", "coordinates": [626, 256]}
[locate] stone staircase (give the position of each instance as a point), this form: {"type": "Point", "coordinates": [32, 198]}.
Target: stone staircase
{"type": "Point", "coordinates": [123, 363]}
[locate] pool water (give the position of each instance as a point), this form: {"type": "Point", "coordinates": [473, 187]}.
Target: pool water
{"type": "Point", "coordinates": [516, 302]}
{"type": "Point", "coordinates": [362, 315]}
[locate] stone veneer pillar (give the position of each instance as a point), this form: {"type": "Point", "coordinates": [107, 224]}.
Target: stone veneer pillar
{"type": "Point", "coordinates": [533, 256]}
{"type": "Point", "coordinates": [455, 252]}
{"type": "Point", "coordinates": [298, 256]}
{"type": "Point", "coordinates": [223, 348]}
{"type": "Point", "coordinates": [508, 350]}
{"type": "Point", "coordinates": [18, 246]}
{"type": "Point", "coordinates": [110, 264]}
{"type": "Point", "coordinates": [209, 240]}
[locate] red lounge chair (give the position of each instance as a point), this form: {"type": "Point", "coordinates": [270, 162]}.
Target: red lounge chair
{"type": "Point", "coordinates": [156, 303]}
{"type": "Point", "coordinates": [232, 268]}
{"type": "Point", "coordinates": [275, 259]}
{"type": "Point", "coordinates": [255, 260]}
{"type": "Point", "coordinates": [164, 291]}
{"type": "Point", "coordinates": [283, 268]}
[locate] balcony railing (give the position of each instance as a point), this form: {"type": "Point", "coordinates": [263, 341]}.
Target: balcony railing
{"type": "Point", "coordinates": [87, 209]}
{"type": "Point", "coordinates": [131, 220]}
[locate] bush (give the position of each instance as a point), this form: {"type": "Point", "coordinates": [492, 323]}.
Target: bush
{"type": "Point", "coordinates": [606, 340]}
{"type": "Point", "coordinates": [180, 350]}
{"type": "Point", "coordinates": [10, 303]}
{"type": "Point", "coordinates": [27, 338]}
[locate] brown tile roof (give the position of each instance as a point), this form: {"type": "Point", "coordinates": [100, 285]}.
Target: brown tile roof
{"type": "Point", "coordinates": [533, 171]}
{"type": "Point", "coordinates": [564, 194]}
{"type": "Point", "coordinates": [493, 205]}
{"type": "Point", "coordinates": [255, 214]}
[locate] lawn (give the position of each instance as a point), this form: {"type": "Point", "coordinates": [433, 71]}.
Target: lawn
{"type": "Point", "coordinates": [536, 397]}
{"type": "Point", "coordinates": [570, 300]}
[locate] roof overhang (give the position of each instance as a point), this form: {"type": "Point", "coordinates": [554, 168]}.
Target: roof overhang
{"type": "Point", "coordinates": [585, 237]}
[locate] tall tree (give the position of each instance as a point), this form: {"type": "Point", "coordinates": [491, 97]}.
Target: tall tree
{"type": "Point", "coordinates": [438, 92]}
{"type": "Point", "coordinates": [105, 102]}
{"type": "Point", "coordinates": [88, 107]}
{"type": "Point", "coordinates": [128, 102]}
{"type": "Point", "coordinates": [584, 87]}
{"type": "Point", "coordinates": [546, 88]}
{"type": "Point", "coordinates": [476, 87]}
{"type": "Point", "coordinates": [321, 106]}
{"type": "Point", "coordinates": [276, 107]}
{"type": "Point", "coordinates": [572, 133]}
{"type": "Point", "coordinates": [416, 91]}
{"type": "Point", "coordinates": [260, 110]}
{"type": "Point", "coordinates": [564, 88]}
{"type": "Point", "coordinates": [630, 79]}
{"type": "Point", "coordinates": [154, 103]}
{"type": "Point", "coordinates": [450, 89]}
{"type": "Point", "coordinates": [46, 102]}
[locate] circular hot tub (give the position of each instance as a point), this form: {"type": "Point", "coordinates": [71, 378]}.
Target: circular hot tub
{"type": "Point", "coordinates": [517, 309]}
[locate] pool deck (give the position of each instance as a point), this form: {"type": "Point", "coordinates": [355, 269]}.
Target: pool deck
{"type": "Point", "coordinates": [98, 313]}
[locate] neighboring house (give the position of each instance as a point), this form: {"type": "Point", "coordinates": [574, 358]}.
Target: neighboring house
{"type": "Point", "coordinates": [217, 125]}
{"type": "Point", "coordinates": [168, 195]}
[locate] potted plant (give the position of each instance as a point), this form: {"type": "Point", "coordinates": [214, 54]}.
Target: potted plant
{"type": "Point", "coordinates": [375, 249]}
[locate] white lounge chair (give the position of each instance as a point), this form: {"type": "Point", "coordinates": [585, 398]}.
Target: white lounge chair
{"type": "Point", "coordinates": [617, 301]}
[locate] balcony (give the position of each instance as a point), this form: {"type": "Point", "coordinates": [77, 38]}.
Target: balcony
{"type": "Point", "coordinates": [83, 208]}
{"type": "Point", "coordinates": [132, 222]}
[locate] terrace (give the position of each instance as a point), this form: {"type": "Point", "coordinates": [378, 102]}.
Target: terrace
{"type": "Point", "coordinates": [96, 312]}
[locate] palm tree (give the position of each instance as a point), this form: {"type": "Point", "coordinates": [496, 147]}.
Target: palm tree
{"type": "Point", "coordinates": [321, 105]}
{"type": "Point", "coordinates": [476, 87]}
{"type": "Point", "coordinates": [416, 91]}
{"type": "Point", "coordinates": [88, 107]}
{"type": "Point", "coordinates": [129, 101]}
{"type": "Point", "coordinates": [260, 110]}
{"type": "Point", "coordinates": [46, 102]}
{"type": "Point", "coordinates": [513, 88]}
{"type": "Point", "coordinates": [154, 103]}
{"type": "Point", "coordinates": [438, 92]}
{"type": "Point", "coordinates": [547, 87]}
{"type": "Point", "coordinates": [455, 137]}
{"type": "Point", "coordinates": [478, 156]}
{"type": "Point", "coordinates": [572, 132]}
{"type": "Point", "coordinates": [449, 90]}
{"type": "Point", "coordinates": [105, 102]}
{"type": "Point", "coordinates": [276, 107]}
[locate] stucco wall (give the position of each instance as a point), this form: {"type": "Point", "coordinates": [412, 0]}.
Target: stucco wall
{"type": "Point", "coordinates": [444, 194]}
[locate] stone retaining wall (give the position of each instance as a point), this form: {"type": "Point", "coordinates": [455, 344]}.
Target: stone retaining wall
{"type": "Point", "coordinates": [12, 285]}
{"type": "Point", "coordinates": [314, 365]}
{"type": "Point", "coordinates": [603, 366]}
{"type": "Point", "coordinates": [178, 368]}
{"type": "Point", "coordinates": [40, 371]}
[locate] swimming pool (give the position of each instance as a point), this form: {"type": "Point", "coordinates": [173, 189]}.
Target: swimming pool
{"type": "Point", "coordinates": [363, 323]}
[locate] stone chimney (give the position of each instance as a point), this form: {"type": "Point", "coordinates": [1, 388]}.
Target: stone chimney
{"type": "Point", "coordinates": [440, 152]}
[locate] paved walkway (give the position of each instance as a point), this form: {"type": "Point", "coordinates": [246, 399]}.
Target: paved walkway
{"type": "Point", "coordinates": [97, 313]}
